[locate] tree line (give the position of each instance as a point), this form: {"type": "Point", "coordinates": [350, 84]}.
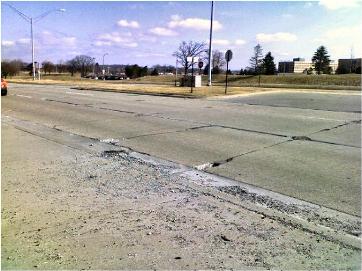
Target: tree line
{"type": "Point", "coordinates": [259, 64]}
{"type": "Point", "coordinates": [83, 65]}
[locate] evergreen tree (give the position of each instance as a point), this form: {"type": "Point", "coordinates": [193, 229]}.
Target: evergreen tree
{"type": "Point", "coordinates": [257, 59]}
{"type": "Point", "coordinates": [154, 72]}
{"type": "Point", "coordinates": [321, 60]}
{"type": "Point", "coordinates": [268, 64]}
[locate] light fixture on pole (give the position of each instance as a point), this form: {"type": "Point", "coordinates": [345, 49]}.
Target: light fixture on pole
{"type": "Point", "coordinates": [32, 20]}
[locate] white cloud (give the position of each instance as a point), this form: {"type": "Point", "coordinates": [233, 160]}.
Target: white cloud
{"type": "Point", "coordinates": [176, 17]}
{"type": "Point", "coordinates": [147, 38]}
{"type": "Point", "coordinates": [130, 44]}
{"type": "Point", "coordinates": [7, 43]}
{"type": "Point", "coordinates": [240, 42]}
{"type": "Point", "coordinates": [282, 53]}
{"type": "Point", "coordinates": [221, 42]}
{"type": "Point", "coordinates": [287, 16]}
{"type": "Point", "coordinates": [193, 23]}
{"type": "Point", "coordinates": [279, 36]}
{"type": "Point", "coordinates": [150, 55]}
{"type": "Point", "coordinates": [100, 43]}
{"type": "Point", "coordinates": [338, 4]}
{"type": "Point", "coordinates": [53, 39]}
{"type": "Point", "coordinates": [115, 39]}
{"type": "Point", "coordinates": [131, 24]}
{"type": "Point", "coordinates": [69, 41]}
{"type": "Point", "coordinates": [161, 31]}
{"type": "Point", "coordinates": [23, 41]}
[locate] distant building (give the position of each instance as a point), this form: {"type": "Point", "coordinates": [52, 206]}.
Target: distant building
{"type": "Point", "coordinates": [299, 65]}
{"type": "Point", "coordinates": [349, 65]}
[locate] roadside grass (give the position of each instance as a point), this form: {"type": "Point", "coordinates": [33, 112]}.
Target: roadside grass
{"type": "Point", "coordinates": [238, 84]}
{"type": "Point", "coordinates": [158, 89]}
{"type": "Point", "coordinates": [300, 80]}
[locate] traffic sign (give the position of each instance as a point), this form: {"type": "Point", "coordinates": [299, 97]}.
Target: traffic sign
{"type": "Point", "coordinates": [228, 55]}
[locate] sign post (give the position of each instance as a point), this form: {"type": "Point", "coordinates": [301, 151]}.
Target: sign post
{"type": "Point", "coordinates": [228, 57]}
{"type": "Point", "coordinates": [192, 59]}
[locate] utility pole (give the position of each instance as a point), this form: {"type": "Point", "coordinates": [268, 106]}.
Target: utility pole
{"type": "Point", "coordinates": [210, 44]}
{"type": "Point", "coordinates": [352, 56]}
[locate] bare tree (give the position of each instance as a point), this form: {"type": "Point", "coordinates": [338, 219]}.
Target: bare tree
{"type": "Point", "coordinates": [48, 67]}
{"type": "Point", "coordinates": [81, 63]}
{"type": "Point", "coordinates": [189, 49]}
{"type": "Point", "coordinates": [72, 66]}
{"type": "Point", "coordinates": [11, 68]}
{"type": "Point", "coordinates": [256, 60]}
{"type": "Point", "coordinates": [61, 67]}
{"type": "Point", "coordinates": [218, 59]}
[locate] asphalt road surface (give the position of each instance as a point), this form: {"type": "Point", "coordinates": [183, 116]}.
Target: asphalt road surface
{"type": "Point", "coordinates": [304, 145]}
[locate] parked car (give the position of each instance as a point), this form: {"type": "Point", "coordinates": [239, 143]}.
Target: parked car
{"type": "Point", "coordinates": [4, 87]}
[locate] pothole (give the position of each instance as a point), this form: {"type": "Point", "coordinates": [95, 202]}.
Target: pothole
{"type": "Point", "coordinates": [213, 164]}
{"type": "Point", "coordinates": [113, 153]}
{"type": "Point", "coordinates": [304, 138]}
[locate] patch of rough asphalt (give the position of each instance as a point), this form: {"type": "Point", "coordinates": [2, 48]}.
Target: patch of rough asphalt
{"type": "Point", "coordinates": [350, 227]}
{"type": "Point", "coordinates": [118, 212]}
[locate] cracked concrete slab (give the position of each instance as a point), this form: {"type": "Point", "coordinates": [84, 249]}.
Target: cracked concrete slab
{"type": "Point", "coordinates": [93, 121]}
{"type": "Point", "coordinates": [117, 116]}
{"type": "Point", "coordinates": [198, 146]}
{"type": "Point", "coordinates": [349, 134]}
{"type": "Point", "coordinates": [324, 174]}
{"type": "Point", "coordinates": [338, 102]}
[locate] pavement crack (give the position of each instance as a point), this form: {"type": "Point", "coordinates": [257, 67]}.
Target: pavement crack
{"type": "Point", "coordinates": [137, 114]}
{"type": "Point", "coordinates": [170, 132]}
{"type": "Point", "coordinates": [337, 126]}
{"type": "Point", "coordinates": [249, 130]}
{"type": "Point", "coordinates": [287, 106]}
{"type": "Point", "coordinates": [218, 163]}
{"type": "Point", "coordinates": [65, 102]}
{"type": "Point", "coordinates": [304, 138]}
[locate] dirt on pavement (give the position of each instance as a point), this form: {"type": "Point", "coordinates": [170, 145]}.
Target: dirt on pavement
{"type": "Point", "coordinates": [63, 208]}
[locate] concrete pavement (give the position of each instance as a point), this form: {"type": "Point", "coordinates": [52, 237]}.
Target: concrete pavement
{"type": "Point", "coordinates": [246, 138]}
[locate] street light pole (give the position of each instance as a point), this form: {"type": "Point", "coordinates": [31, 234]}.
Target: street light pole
{"type": "Point", "coordinates": [32, 20]}
{"type": "Point", "coordinates": [176, 74]}
{"type": "Point", "coordinates": [32, 47]}
{"type": "Point", "coordinates": [103, 70]}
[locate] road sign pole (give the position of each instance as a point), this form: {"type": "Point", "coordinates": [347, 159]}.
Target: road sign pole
{"type": "Point", "coordinates": [228, 57]}
{"type": "Point", "coordinates": [226, 79]}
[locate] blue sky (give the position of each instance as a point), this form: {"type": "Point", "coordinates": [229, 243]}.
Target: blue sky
{"type": "Point", "coordinates": [147, 33]}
